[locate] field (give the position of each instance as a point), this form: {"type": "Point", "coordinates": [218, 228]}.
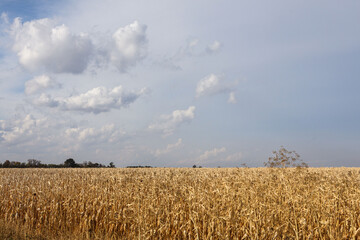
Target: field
{"type": "Point", "coordinates": [185, 203]}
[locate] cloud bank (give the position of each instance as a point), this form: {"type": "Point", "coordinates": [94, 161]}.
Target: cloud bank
{"type": "Point", "coordinates": [108, 133]}
{"type": "Point", "coordinates": [211, 153]}
{"type": "Point", "coordinates": [22, 130]}
{"type": "Point", "coordinates": [96, 100]}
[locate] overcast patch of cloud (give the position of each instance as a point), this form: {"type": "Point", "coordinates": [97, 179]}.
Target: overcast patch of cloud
{"type": "Point", "coordinates": [232, 98]}
{"type": "Point", "coordinates": [96, 100]}
{"type": "Point", "coordinates": [193, 48]}
{"type": "Point", "coordinates": [43, 45]}
{"type": "Point", "coordinates": [169, 148]}
{"type": "Point", "coordinates": [40, 83]}
{"type": "Point", "coordinates": [219, 156]}
{"type": "Point", "coordinates": [234, 157]}
{"type": "Point", "coordinates": [130, 46]}
{"type": "Point", "coordinates": [168, 123]}
{"type": "Point", "coordinates": [214, 47]}
{"type": "Point", "coordinates": [211, 153]}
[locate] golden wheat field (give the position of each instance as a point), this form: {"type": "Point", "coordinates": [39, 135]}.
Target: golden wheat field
{"type": "Point", "coordinates": [169, 203]}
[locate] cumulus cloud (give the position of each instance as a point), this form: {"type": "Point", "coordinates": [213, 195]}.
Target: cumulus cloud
{"type": "Point", "coordinates": [21, 130]}
{"type": "Point", "coordinates": [130, 46]}
{"type": "Point", "coordinates": [108, 133]}
{"type": "Point", "coordinates": [169, 148]}
{"type": "Point", "coordinates": [211, 85]}
{"type": "Point", "coordinates": [95, 101]}
{"type": "Point", "coordinates": [41, 44]}
{"type": "Point", "coordinates": [214, 84]}
{"type": "Point", "coordinates": [208, 85]}
{"type": "Point", "coordinates": [40, 83]}
{"type": "Point", "coordinates": [168, 123]}
{"type": "Point", "coordinates": [214, 47]}
{"type": "Point", "coordinates": [43, 131]}
{"type": "Point", "coordinates": [211, 153]}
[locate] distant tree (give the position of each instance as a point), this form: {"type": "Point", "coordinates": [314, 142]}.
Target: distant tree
{"type": "Point", "coordinates": [284, 158]}
{"type": "Point", "coordinates": [6, 164]}
{"type": "Point", "coordinates": [53, 166]}
{"type": "Point", "coordinates": [90, 164]}
{"type": "Point", "coordinates": [70, 163]}
{"type": "Point", "coordinates": [139, 166]}
{"type": "Point", "coordinates": [33, 163]}
{"type": "Point", "coordinates": [244, 165]}
{"type": "Point", "coordinates": [111, 165]}
{"type": "Point", "coordinates": [194, 166]}
{"type": "Point", "coordinates": [16, 164]}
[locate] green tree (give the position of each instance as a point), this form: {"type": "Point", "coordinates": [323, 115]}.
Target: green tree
{"type": "Point", "coordinates": [33, 163]}
{"type": "Point", "coordinates": [6, 164]}
{"type": "Point", "coordinates": [70, 163]}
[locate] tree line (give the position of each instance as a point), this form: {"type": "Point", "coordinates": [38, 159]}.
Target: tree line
{"type": "Point", "coordinates": [69, 163]}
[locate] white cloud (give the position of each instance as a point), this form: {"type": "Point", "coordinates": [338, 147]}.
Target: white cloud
{"type": "Point", "coordinates": [232, 98]}
{"type": "Point", "coordinates": [130, 46]}
{"type": "Point", "coordinates": [4, 17]}
{"type": "Point", "coordinates": [95, 101]}
{"type": "Point", "coordinates": [54, 134]}
{"type": "Point", "coordinates": [214, 47]}
{"type": "Point", "coordinates": [207, 85]}
{"type": "Point", "coordinates": [214, 84]}
{"type": "Point", "coordinates": [193, 43]}
{"type": "Point", "coordinates": [169, 148]}
{"type": "Point", "coordinates": [41, 45]}
{"type": "Point", "coordinates": [211, 85]}
{"type": "Point", "coordinates": [21, 130]}
{"type": "Point", "coordinates": [211, 153]}
{"type": "Point", "coordinates": [46, 100]}
{"type": "Point", "coordinates": [168, 123]}
{"type": "Point", "coordinates": [107, 133]}
{"type": "Point", "coordinates": [40, 83]}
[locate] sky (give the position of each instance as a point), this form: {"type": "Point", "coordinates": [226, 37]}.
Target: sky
{"type": "Point", "coordinates": [177, 83]}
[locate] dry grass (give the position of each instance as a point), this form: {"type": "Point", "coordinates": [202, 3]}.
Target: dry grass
{"type": "Point", "coordinates": [180, 203]}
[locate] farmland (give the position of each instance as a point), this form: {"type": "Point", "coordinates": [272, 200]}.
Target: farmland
{"type": "Point", "coordinates": [183, 203]}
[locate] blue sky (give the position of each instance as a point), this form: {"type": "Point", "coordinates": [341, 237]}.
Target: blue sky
{"type": "Point", "coordinates": [210, 83]}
